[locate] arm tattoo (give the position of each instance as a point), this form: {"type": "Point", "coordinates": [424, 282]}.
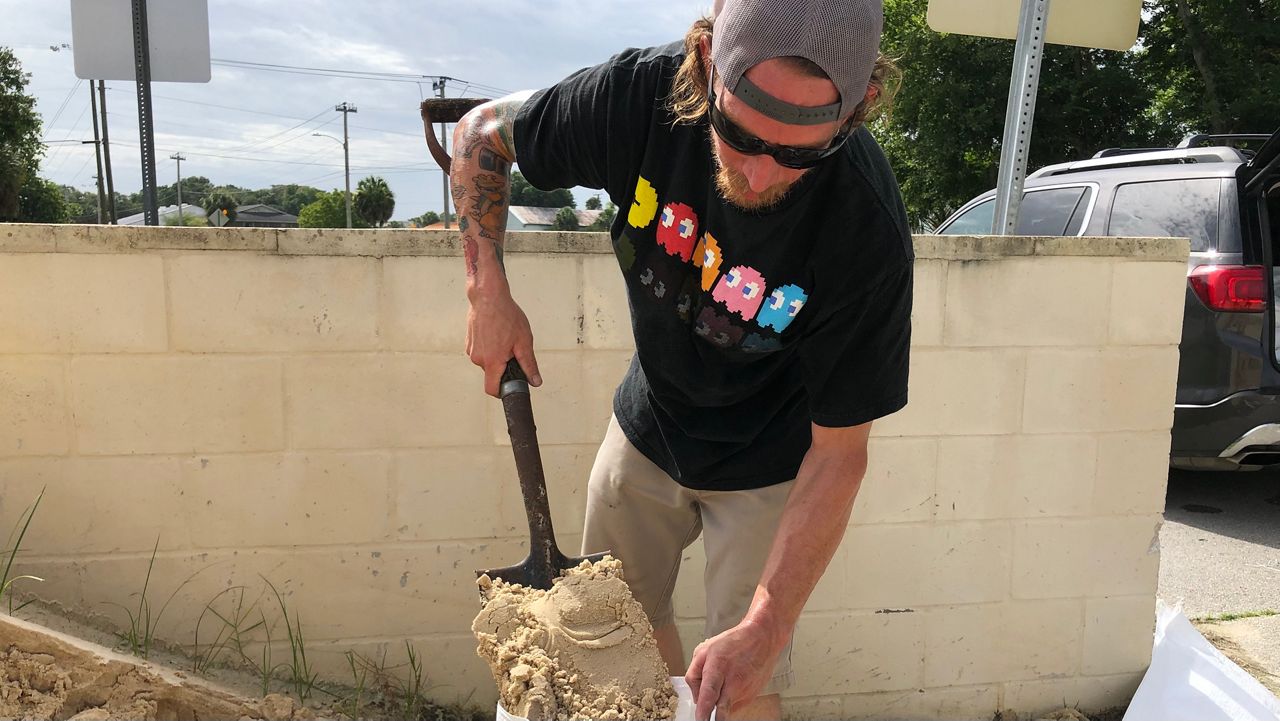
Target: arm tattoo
{"type": "Point", "coordinates": [481, 190]}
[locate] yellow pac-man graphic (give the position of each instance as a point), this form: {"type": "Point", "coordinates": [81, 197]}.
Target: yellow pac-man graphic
{"type": "Point", "coordinates": [645, 205]}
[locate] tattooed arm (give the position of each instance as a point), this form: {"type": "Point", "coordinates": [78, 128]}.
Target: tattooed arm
{"type": "Point", "coordinates": [497, 330]}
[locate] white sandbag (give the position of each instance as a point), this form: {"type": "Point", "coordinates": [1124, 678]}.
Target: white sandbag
{"type": "Point", "coordinates": [1190, 680]}
{"type": "Point", "coordinates": [684, 709]}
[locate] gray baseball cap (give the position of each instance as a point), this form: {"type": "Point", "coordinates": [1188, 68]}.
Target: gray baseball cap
{"type": "Point", "coordinates": [840, 36]}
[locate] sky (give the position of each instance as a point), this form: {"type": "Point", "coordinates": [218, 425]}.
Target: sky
{"type": "Point", "coordinates": [253, 128]}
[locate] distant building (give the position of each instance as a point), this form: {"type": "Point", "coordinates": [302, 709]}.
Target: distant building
{"type": "Point", "coordinates": [167, 212]}
{"type": "Point", "coordinates": [524, 217]}
{"type": "Point", "coordinates": [258, 215]}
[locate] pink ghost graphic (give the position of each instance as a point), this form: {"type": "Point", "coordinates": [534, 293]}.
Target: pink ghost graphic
{"type": "Point", "coordinates": [741, 290]}
{"type": "Point", "coordinates": [708, 257]}
{"type": "Point", "coordinates": [678, 230]}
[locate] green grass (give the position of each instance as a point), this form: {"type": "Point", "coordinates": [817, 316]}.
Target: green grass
{"type": "Point", "coordinates": [6, 582]}
{"type": "Point", "coordinates": [1221, 617]}
{"type": "Point", "coordinates": [300, 674]}
{"type": "Point", "coordinates": [229, 638]}
{"type": "Point", "coordinates": [142, 626]}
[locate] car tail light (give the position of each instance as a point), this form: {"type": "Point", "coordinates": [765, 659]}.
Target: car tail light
{"type": "Point", "coordinates": [1231, 288]}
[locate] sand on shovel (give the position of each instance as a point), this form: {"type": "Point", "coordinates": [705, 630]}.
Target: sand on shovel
{"type": "Point", "coordinates": [582, 650]}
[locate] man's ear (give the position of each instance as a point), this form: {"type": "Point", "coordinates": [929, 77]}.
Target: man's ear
{"type": "Point", "coordinates": [704, 50]}
{"type": "Point", "coordinates": [872, 93]}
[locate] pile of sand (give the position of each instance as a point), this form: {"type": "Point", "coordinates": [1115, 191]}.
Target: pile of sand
{"type": "Point", "coordinates": [582, 650]}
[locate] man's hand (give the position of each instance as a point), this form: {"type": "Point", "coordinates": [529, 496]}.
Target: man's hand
{"type": "Point", "coordinates": [731, 668]}
{"type": "Point", "coordinates": [497, 331]}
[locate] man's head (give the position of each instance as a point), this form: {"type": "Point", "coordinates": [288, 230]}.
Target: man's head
{"type": "Point", "coordinates": [790, 79]}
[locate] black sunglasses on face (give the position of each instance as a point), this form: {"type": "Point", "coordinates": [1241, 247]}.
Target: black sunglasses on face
{"type": "Point", "coordinates": [789, 156]}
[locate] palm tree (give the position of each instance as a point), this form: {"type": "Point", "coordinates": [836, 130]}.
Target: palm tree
{"type": "Point", "coordinates": [374, 200]}
{"type": "Point", "coordinates": [220, 202]}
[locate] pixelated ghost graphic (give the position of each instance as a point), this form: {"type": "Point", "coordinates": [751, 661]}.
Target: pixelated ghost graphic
{"type": "Point", "coordinates": [781, 307]}
{"type": "Point", "coordinates": [717, 329]}
{"type": "Point", "coordinates": [755, 343]}
{"type": "Point", "coordinates": [660, 281]}
{"type": "Point", "coordinates": [708, 257]}
{"type": "Point", "coordinates": [684, 301]}
{"type": "Point", "coordinates": [741, 290]}
{"type": "Point", "coordinates": [678, 230]}
{"type": "Point", "coordinates": [645, 205]}
{"type": "Point", "coordinates": [625, 250]}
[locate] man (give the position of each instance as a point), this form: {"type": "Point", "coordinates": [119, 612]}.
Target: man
{"type": "Point", "coordinates": [768, 267]}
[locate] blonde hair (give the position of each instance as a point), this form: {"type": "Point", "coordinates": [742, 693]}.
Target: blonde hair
{"type": "Point", "coordinates": [688, 98]}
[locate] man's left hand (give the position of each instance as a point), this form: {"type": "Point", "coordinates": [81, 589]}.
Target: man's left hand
{"type": "Point", "coordinates": [731, 668]}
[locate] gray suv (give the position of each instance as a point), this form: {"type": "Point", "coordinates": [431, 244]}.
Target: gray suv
{"type": "Point", "coordinates": [1227, 201]}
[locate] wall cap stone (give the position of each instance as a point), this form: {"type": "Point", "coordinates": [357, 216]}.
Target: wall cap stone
{"type": "Point", "coordinates": [382, 242]}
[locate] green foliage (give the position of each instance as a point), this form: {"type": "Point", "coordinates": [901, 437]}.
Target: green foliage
{"type": "Point", "coordinates": [430, 217]}
{"type": "Point", "coordinates": [593, 203]}
{"type": "Point", "coordinates": [220, 202]}
{"type": "Point", "coordinates": [230, 637]}
{"type": "Point", "coordinates": [301, 675]}
{"type": "Point", "coordinates": [189, 220]}
{"type": "Point", "coordinates": [374, 201]}
{"type": "Point", "coordinates": [524, 194]}
{"type": "Point", "coordinates": [329, 211]}
{"type": "Point", "coordinates": [605, 219]}
{"type": "Point", "coordinates": [566, 219]}
{"type": "Point", "coordinates": [6, 583]}
{"type": "Point", "coordinates": [41, 201]}
{"type": "Point", "coordinates": [20, 127]}
{"type": "Point", "coordinates": [142, 626]}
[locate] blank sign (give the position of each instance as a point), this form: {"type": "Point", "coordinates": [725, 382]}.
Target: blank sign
{"type": "Point", "coordinates": [177, 33]}
{"type": "Point", "coordinates": [1107, 24]}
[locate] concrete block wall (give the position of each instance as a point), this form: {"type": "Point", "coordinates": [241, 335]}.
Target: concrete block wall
{"type": "Point", "coordinates": [295, 406]}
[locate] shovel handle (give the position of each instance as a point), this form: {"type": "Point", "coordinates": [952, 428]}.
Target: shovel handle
{"type": "Point", "coordinates": [533, 483]}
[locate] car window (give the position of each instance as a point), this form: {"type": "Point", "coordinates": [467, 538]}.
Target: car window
{"type": "Point", "coordinates": [1043, 212]}
{"type": "Point", "coordinates": [1178, 208]}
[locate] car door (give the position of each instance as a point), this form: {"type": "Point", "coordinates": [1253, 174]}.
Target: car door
{"type": "Point", "coordinates": [1259, 182]}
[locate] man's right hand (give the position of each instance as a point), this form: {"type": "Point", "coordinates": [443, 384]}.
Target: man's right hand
{"type": "Point", "coordinates": [497, 331]}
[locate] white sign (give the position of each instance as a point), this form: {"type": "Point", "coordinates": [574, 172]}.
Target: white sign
{"type": "Point", "coordinates": [1106, 24]}
{"type": "Point", "coordinates": [177, 33]}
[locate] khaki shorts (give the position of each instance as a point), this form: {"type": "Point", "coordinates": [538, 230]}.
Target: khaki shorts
{"type": "Point", "coordinates": [637, 511]}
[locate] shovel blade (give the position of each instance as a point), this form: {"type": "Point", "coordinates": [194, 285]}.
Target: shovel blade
{"type": "Point", "coordinates": [537, 572]}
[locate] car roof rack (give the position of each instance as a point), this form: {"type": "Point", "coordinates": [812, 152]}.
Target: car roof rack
{"type": "Point", "coordinates": [1200, 140]}
{"type": "Point", "coordinates": [1213, 154]}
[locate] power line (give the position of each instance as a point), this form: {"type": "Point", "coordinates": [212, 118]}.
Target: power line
{"type": "Point", "coordinates": [351, 74]}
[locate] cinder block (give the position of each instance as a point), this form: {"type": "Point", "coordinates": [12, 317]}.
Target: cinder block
{"type": "Point", "coordinates": [33, 237]}
{"type": "Point", "coordinates": [568, 468]}
{"type": "Point", "coordinates": [1028, 302]}
{"type": "Point", "coordinates": [136, 239]}
{"type": "Point", "coordinates": [969, 703]}
{"type": "Point", "coordinates": [1117, 634]}
{"type": "Point", "coordinates": [1102, 557]}
{"type": "Point", "coordinates": [424, 304]}
{"type": "Point", "coordinates": [606, 316]}
{"type": "Point", "coordinates": [1147, 303]}
{"type": "Point", "coordinates": [372, 242]}
{"type": "Point", "coordinates": [403, 400]}
{"type": "Point", "coordinates": [812, 707]}
{"type": "Point", "coordinates": [928, 303]}
{"type": "Point", "coordinates": [558, 406]}
{"type": "Point", "coordinates": [96, 505]}
{"type": "Point", "coordinates": [290, 499]}
{"type": "Point", "coordinates": [1133, 473]}
{"type": "Point", "coordinates": [967, 563]}
{"type": "Point", "coordinates": [244, 303]}
{"type": "Point", "coordinates": [188, 404]}
{"type": "Point", "coordinates": [885, 565]}
{"type": "Point", "coordinates": [1090, 694]}
{"type": "Point", "coordinates": [993, 643]}
{"type": "Point", "coordinates": [549, 290]}
{"type": "Point", "coordinates": [1015, 476]}
{"type": "Point", "coordinates": [63, 303]}
{"type": "Point", "coordinates": [602, 373]}
{"type": "Point", "coordinates": [33, 394]}
{"type": "Point", "coordinates": [899, 483]}
{"type": "Point", "coordinates": [977, 392]}
{"type": "Point", "coordinates": [445, 494]}
{"type": "Point", "coordinates": [1100, 390]}
{"type": "Point", "coordinates": [867, 652]}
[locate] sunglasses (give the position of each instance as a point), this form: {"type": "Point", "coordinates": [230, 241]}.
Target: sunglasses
{"type": "Point", "coordinates": [788, 156]}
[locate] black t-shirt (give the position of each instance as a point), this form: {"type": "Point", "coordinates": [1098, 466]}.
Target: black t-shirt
{"type": "Point", "coordinates": [748, 326]}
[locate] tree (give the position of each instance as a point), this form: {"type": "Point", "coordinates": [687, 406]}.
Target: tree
{"type": "Point", "coordinates": [188, 221]}
{"type": "Point", "coordinates": [604, 221]}
{"type": "Point", "coordinates": [566, 219]}
{"type": "Point", "coordinates": [329, 211]}
{"type": "Point", "coordinates": [20, 127]}
{"type": "Point", "coordinates": [593, 203]}
{"type": "Point", "coordinates": [524, 194]}
{"type": "Point", "coordinates": [430, 217]}
{"type": "Point", "coordinates": [374, 201]}
{"type": "Point", "coordinates": [40, 201]}
{"type": "Point", "coordinates": [220, 202]}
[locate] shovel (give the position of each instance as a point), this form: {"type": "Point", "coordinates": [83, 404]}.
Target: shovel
{"type": "Point", "coordinates": [545, 561]}
{"type": "Point", "coordinates": [444, 110]}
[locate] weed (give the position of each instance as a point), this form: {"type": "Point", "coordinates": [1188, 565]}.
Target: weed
{"type": "Point", "coordinates": [411, 690]}
{"type": "Point", "coordinates": [359, 676]}
{"type": "Point", "coordinates": [301, 676]}
{"type": "Point", "coordinates": [6, 583]}
{"type": "Point", "coordinates": [142, 626]}
{"type": "Point", "coordinates": [1236, 616]}
{"type": "Point", "coordinates": [230, 636]}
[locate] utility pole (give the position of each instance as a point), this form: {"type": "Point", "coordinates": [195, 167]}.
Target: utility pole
{"type": "Point", "coordinates": [106, 153]}
{"type": "Point", "coordinates": [346, 108]}
{"type": "Point", "coordinates": [97, 150]}
{"type": "Point", "coordinates": [146, 129]}
{"type": "Point", "coordinates": [178, 157]}
{"type": "Point", "coordinates": [438, 86]}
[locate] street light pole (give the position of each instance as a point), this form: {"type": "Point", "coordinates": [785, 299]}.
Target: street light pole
{"type": "Point", "coordinates": [346, 154]}
{"type": "Point", "coordinates": [438, 86]}
{"type": "Point", "coordinates": [178, 157]}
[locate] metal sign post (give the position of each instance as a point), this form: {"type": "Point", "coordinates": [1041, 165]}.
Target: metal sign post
{"type": "Point", "coordinates": [146, 133]}
{"type": "Point", "coordinates": [1028, 54]}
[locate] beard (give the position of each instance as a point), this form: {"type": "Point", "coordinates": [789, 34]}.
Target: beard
{"type": "Point", "coordinates": [736, 189]}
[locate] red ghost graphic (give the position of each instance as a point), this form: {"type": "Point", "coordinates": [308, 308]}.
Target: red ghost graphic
{"type": "Point", "coordinates": [678, 230]}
